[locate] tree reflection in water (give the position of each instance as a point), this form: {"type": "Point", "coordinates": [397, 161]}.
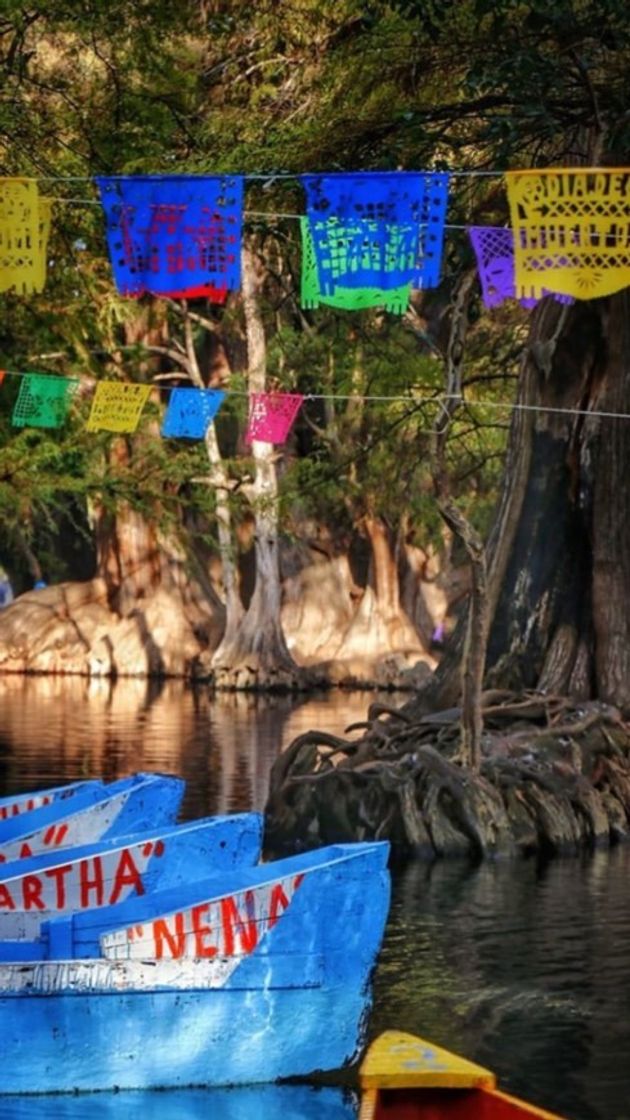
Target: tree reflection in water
{"type": "Point", "coordinates": [223, 744]}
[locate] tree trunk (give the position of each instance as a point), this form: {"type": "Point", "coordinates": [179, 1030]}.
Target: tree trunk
{"type": "Point", "coordinates": [380, 640]}
{"type": "Point", "coordinates": [610, 443]}
{"type": "Point", "coordinates": [219, 480]}
{"type": "Point", "coordinates": [385, 568]}
{"type": "Point", "coordinates": [559, 551]}
{"type": "Point", "coordinates": [476, 639]}
{"type": "Point", "coordinates": [145, 612]}
{"type": "Point", "coordinates": [399, 631]}
{"type": "Point", "coordinates": [229, 574]}
{"type": "Point", "coordinates": [255, 654]}
{"type": "Point", "coordinates": [162, 618]}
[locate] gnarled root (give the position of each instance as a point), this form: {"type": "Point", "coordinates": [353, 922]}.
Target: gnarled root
{"type": "Point", "coordinates": [554, 778]}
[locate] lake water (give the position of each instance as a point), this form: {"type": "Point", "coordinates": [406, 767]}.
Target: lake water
{"type": "Point", "coordinates": [520, 966]}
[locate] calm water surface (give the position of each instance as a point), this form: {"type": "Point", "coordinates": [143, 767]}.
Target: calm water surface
{"type": "Point", "coordinates": [523, 967]}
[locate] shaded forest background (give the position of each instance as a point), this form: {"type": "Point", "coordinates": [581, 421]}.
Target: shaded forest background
{"type": "Point", "coordinates": [336, 557]}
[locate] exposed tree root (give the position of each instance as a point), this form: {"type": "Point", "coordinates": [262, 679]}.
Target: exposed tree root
{"type": "Point", "coordinates": [555, 777]}
{"type": "Point", "coordinates": [252, 672]}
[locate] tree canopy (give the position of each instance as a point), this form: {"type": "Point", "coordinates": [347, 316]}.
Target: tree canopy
{"type": "Point", "coordinates": [288, 86]}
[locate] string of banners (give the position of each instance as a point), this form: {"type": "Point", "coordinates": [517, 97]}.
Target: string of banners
{"type": "Point", "coordinates": [44, 401]}
{"type": "Point", "coordinates": [368, 238]}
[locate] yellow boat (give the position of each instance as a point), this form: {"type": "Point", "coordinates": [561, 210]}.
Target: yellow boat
{"type": "Point", "coordinates": [407, 1078]}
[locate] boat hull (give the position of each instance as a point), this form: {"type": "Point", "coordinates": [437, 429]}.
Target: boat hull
{"type": "Point", "coordinates": [176, 1038]}
{"type": "Point", "coordinates": [34, 891]}
{"type": "Point", "coordinates": [269, 981]}
{"type": "Point", "coordinates": [17, 804]}
{"type": "Point", "coordinates": [135, 804]}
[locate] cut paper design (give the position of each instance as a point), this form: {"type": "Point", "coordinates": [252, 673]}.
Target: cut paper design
{"type": "Point", "coordinates": [571, 231]}
{"type": "Point", "coordinates": [190, 411]}
{"type": "Point", "coordinates": [43, 401]}
{"type": "Point", "coordinates": [24, 226]}
{"type": "Point", "coordinates": [174, 235]}
{"type": "Point", "coordinates": [271, 416]}
{"type": "Point", "coordinates": [377, 229]}
{"type": "Point", "coordinates": [347, 299]}
{"type": "Point", "coordinates": [494, 250]}
{"type": "Point", "coordinates": [117, 406]}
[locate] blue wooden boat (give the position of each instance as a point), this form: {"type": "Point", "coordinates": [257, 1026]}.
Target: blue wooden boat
{"type": "Point", "coordinates": [257, 976]}
{"type": "Point", "coordinates": [134, 804]}
{"type": "Point", "coordinates": [18, 803]}
{"type": "Point", "coordinates": [35, 890]}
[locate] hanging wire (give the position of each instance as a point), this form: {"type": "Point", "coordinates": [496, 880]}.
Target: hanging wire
{"type": "Point", "coordinates": [246, 213]}
{"type": "Point", "coordinates": [271, 176]}
{"type": "Point", "coordinates": [424, 396]}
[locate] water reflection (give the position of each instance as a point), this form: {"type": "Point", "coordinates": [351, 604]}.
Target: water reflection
{"type": "Point", "coordinates": [265, 1102]}
{"type": "Point", "coordinates": [521, 967]}
{"type": "Point", "coordinates": [53, 728]}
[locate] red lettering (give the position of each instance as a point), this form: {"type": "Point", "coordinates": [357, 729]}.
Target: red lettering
{"type": "Point", "coordinates": [87, 884]}
{"type": "Point", "coordinates": [127, 874]}
{"type": "Point", "coordinates": [25, 851]}
{"type": "Point", "coordinates": [6, 901]}
{"type": "Point", "coordinates": [277, 904]}
{"type": "Point", "coordinates": [3, 812]}
{"type": "Point", "coordinates": [202, 930]}
{"type": "Point", "coordinates": [53, 836]}
{"type": "Point", "coordinates": [60, 835]}
{"type": "Point", "coordinates": [32, 892]}
{"type": "Point", "coordinates": [232, 922]}
{"type": "Point", "coordinates": [58, 874]}
{"type": "Point", "coordinates": [174, 942]}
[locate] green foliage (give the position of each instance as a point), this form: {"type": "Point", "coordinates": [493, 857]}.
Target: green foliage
{"type": "Point", "coordinates": [286, 85]}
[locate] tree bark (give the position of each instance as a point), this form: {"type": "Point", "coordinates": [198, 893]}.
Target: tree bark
{"type": "Point", "coordinates": [218, 479]}
{"type": "Point", "coordinates": [476, 639]}
{"type": "Point", "coordinates": [541, 562]}
{"type": "Point", "coordinates": [610, 448]}
{"type": "Point", "coordinates": [255, 653]}
{"type": "Point", "coordinates": [559, 550]}
{"type": "Point", "coordinates": [385, 570]}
